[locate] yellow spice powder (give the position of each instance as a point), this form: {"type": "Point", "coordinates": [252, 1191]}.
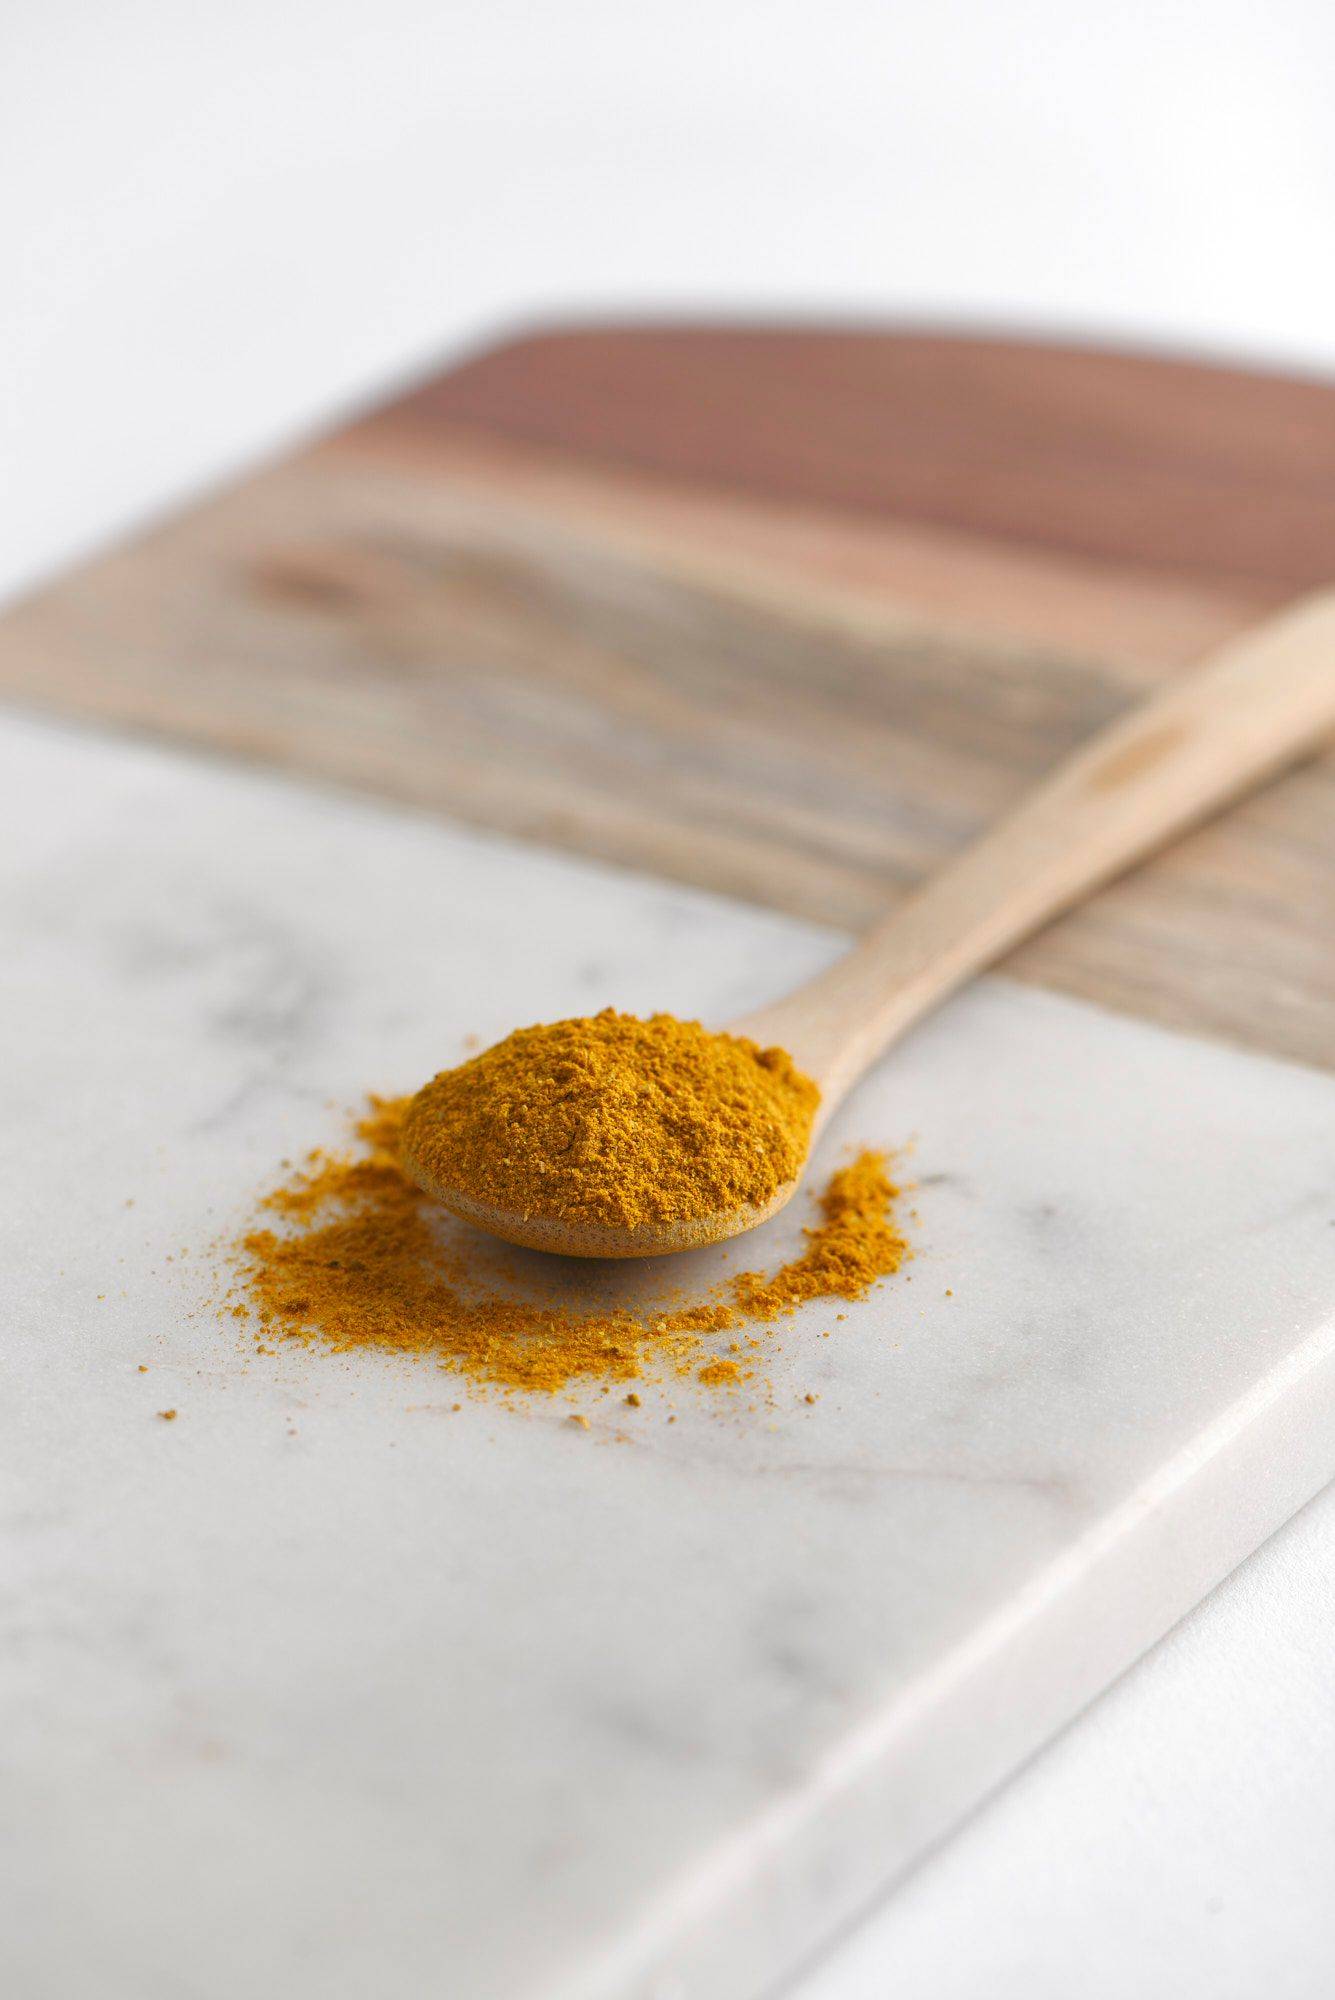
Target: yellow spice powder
{"type": "Point", "coordinates": [615, 1121]}
{"type": "Point", "coordinates": [349, 1252]}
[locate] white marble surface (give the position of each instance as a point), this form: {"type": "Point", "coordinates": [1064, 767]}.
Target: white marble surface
{"type": "Point", "coordinates": [328, 1691]}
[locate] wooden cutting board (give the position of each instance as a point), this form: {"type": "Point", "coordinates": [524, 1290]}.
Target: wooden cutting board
{"type": "Point", "coordinates": [786, 614]}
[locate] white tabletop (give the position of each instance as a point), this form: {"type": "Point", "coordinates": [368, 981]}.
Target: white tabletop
{"type": "Point", "coordinates": [220, 229]}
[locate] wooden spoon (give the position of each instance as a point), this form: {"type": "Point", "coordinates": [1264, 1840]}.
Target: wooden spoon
{"type": "Point", "coordinates": [1261, 703]}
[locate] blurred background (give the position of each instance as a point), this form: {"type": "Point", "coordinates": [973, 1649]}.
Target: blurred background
{"type": "Point", "coordinates": [221, 227]}
{"type": "Point", "coordinates": [222, 224]}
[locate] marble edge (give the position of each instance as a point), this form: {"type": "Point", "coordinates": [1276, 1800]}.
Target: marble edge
{"type": "Point", "coordinates": [745, 1920]}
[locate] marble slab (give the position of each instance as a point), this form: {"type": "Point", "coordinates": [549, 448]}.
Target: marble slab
{"type": "Point", "coordinates": [326, 1689]}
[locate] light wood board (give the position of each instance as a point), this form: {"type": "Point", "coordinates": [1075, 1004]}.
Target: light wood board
{"type": "Point", "coordinates": [787, 616]}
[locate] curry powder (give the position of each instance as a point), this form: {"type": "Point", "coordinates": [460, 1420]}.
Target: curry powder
{"type": "Point", "coordinates": [349, 1252]}
{"type": "Point", "coordinates": [614, 1121]}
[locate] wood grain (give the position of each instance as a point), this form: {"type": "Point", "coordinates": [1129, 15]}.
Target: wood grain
{"type": "Point", "coordinates": [557, 603]}
{"type": "Point", "coordinates": [1221, 472]}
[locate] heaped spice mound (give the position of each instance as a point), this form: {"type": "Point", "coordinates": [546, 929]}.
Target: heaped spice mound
{"type": "Point", "coordinates": [614, 1121]}
{"type": "Point", "coordinates": [347, 1252]}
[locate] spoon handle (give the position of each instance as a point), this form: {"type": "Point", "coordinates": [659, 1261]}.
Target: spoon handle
{"type": "Point", "coordinates": [1260, 703]}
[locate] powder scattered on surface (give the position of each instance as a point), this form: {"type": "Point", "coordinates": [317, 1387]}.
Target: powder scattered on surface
{"type": "Point", "coordinates": [614, 1121]}
{"type": "Point", "coordinates": [856, 1243]}
{"type": "Point", "coordinates": [348, 1252]}
{"type": "Point", "coordinates": [721, 1373]}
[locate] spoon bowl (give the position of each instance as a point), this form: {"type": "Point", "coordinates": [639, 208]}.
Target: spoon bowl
{"type": "Point", "coordinates": [574, 1238]}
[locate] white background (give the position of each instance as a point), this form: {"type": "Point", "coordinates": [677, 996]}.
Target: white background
{"type": "Point", "coordinates": [222, 223]}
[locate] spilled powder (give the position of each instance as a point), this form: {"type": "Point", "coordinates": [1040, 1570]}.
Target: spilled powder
{"type": "Point", "coordinates": [348, 1253]}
